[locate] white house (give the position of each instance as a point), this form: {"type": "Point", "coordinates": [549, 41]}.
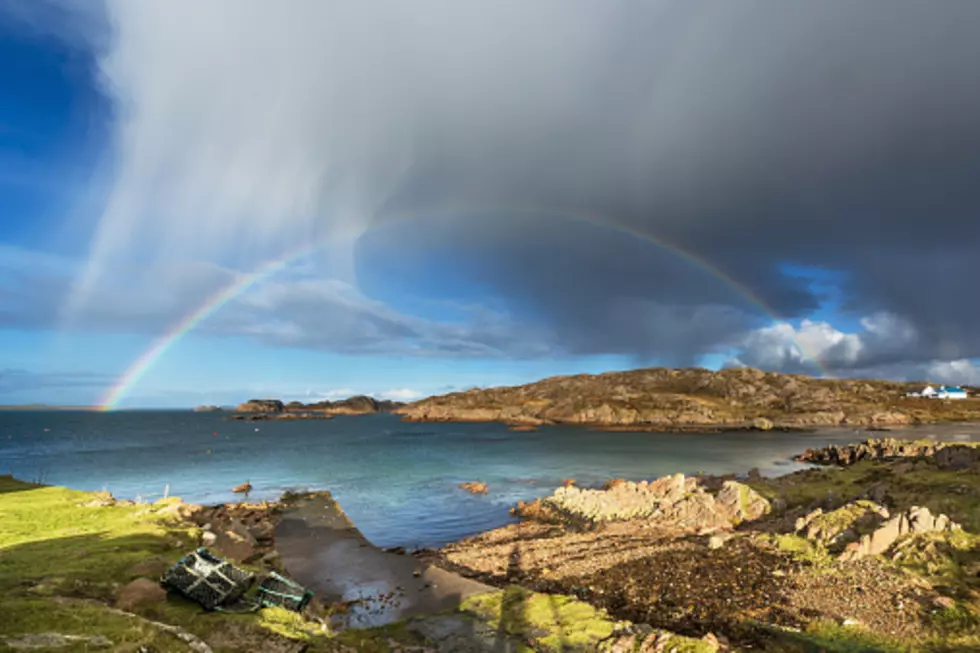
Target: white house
{"type": "Point", "coordinates": [927, 391]}
{"type": "Point", "coordinates": [950, 392]}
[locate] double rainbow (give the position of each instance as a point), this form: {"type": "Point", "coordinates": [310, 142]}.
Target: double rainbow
{"type": "Point", "coordinates": [139, 367]}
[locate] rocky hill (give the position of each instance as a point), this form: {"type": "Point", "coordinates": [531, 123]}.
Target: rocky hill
{"type": "Point", "coordinates": [669, 399]}
{"type": "Point", "coordinates": [357, 405]}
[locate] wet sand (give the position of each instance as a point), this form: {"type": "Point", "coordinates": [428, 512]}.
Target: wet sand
{"type": "Point", "coordinates": [323, 550]}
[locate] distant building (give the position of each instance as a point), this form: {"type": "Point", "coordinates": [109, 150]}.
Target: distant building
{"type": "Point", "coordinates": [942, 392]}
{"type": "Point", "coordinates": [950, 392]}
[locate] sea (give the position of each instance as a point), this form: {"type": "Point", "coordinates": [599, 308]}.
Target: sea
{"type": "Point", "coordinates": [398, 481]}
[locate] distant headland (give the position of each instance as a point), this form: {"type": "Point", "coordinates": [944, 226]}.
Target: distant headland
{"type": "Point", "coordinates": [696, 399]}
{"type": "Point", "coordinates": [45, 407]}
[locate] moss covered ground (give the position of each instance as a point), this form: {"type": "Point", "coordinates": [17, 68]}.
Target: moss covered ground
{"type": "Point", "coordinates": [952, 492]}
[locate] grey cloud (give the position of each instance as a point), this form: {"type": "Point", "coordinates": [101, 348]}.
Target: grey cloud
{"type": "Point", "coordinates": [297, 308]}
{"type": "Point", "coordinates": [331, 315]}
{"type": "Point", "coordinates": [754, 134]}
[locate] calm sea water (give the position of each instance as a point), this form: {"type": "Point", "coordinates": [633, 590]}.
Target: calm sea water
{"type": "Point", "coordinates": [397, 481]}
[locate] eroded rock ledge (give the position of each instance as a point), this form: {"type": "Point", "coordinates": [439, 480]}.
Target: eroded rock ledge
{"type": "Point", "coordinates": [677, 500]}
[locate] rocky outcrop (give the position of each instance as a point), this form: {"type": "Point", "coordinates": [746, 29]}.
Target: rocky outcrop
{"type": "Point", "coordinates": [864, 528]}
{"type": "Point", "coordinates": [916, 520]}
{"type": "Point", "coordinates": [945, 455]}
{"type": "Point", "coordinates": [671, 399]}
{"type": "Point", "coordinates": [261, 406]}
{"type": "Point", "coordinates": [207, 409]}
{"type": "Point", "coordinates": [243, 532]}
{"type": "Point", "coordinates": [674, 500]}
{"type": "Point", "coordinates": [843, 525]}
{"type": "Point", "coordinates": [475, 487]}
{"type": "Point", "coordinates": [738, 502]}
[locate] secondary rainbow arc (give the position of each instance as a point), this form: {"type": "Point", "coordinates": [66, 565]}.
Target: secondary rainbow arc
{"type": "Point", "coordinates": [142, 364]}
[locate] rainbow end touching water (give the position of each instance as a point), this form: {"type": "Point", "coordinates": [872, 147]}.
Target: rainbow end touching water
{"type": "Point", "coordinates": [145, 361]}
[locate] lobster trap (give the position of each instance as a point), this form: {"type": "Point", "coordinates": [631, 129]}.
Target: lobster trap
{"type": "Point", "coordinates": [207, 579]}
{"type": "Point", "coordinates": [279, 591]}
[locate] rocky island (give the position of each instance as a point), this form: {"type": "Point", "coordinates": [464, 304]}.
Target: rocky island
{"type": "Point", "coordinates": [263, 409]}
{"type": "Point", "coordinates": [695, 399]}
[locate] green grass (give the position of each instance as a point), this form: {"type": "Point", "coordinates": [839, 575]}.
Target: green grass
{"type": "Point", "coordinates": [803, 550]}
{"type": "Point", "coordinates": [62, 561]}
{"type": "Point", "coordinates": [679, 644]}
{"type": "Point", "coordinates": [952, 492]}
{"type": "Point", "coordinates": [555, 622]}
{"type": "Point", "coordinates": [834, 638]}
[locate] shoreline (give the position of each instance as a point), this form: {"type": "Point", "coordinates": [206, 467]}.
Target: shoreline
{"type": "Point", "coordinates": [741, 427]}
{"type": "Point", "coordinates": [822, 558]}
{"type": "Point", "coordinates": [777, 566]}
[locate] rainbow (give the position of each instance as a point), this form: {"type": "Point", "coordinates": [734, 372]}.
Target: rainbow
{"type": "Point", "coordinates": [139, 367]}
{"type": "Point", "coordinates": [212, 304]}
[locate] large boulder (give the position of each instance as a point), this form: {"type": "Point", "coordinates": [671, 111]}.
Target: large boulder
{"type": "Point", "coordinates": [235, 542]}
{"type": "Point", "coordinates": [475, 487]}
{"type": "Point", "coordinates": [738, 502]}
{"type": "Point", "coordinates": [668, 488]}
{"type": "Point", "coordinates": [699, 511]}
{"type": "Point", "coordinates": [139, 593]}
{"type": "Point", "coordinates": [626, 500]}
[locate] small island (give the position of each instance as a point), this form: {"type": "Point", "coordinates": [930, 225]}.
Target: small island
{"type": "Point", "coordinates": [275, 409]}
{"type": "Point", "coordinates": [208, 409]}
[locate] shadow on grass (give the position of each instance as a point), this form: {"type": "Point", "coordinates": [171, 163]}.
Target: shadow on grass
{"type": "Point", "coordinates": [10, 484]}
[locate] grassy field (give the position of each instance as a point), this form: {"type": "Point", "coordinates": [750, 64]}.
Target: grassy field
{"type": "Point", "coordinates": [63, 558]}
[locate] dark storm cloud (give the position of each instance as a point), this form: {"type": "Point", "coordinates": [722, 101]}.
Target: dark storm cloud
{"type": "Point", "coordinates": [833, 134]}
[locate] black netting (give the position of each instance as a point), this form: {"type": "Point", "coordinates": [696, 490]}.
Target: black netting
{"type": "Point", "coordinates": [207, 579]}
{"type": "Point", "coordinates": [277, 590]}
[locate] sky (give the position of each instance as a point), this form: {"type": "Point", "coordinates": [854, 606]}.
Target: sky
{"type": "Point", "coordinates": [202, 203]}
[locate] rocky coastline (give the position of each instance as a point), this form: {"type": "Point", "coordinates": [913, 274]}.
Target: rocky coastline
{"type": "Point", "coordinates": [874, 548]}
{"type": "Point", "coordinates": [694, 399]}
{"type": "Point", "coordinates": [945, 455]}
{"type": "Point", "coordinates": [882, 554]}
